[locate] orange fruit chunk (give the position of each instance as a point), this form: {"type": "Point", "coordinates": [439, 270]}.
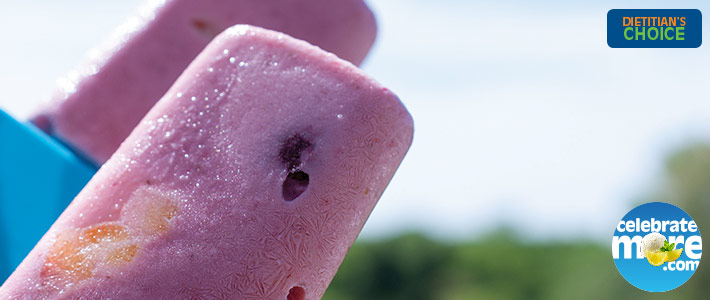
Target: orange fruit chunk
{"type": "Point", "coordinates": [158, 215]}
{"type": "Point", "coordinates": [65, 259]}
{"type": "Point", "coordinates": [123, 255]}
{"type": "Point", "coordinates": [104, 233]}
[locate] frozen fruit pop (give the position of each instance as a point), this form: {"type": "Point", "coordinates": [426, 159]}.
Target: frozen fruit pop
{"type": "Point", "coordinates": [97, 106]}
{"type": "Point", "coordinates": [249, 179]}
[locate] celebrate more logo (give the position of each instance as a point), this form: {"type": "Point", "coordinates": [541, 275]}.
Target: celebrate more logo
{"type": "Point", "coordinates": [632, 241]}
{"type": "Point", "coordinates": [657, 247]}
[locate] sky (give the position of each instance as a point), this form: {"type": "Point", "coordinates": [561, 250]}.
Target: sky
{"type": "Point", "coordinates": [523, 115]}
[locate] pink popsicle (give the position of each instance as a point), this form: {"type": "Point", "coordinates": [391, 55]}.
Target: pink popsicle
{"type": "Point", "coordinates": [97, 106]}
{"type": "Point", "coordinates": [249, 179]}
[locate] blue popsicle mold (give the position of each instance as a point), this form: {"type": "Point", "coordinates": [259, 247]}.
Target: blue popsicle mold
{"type": "Point", "coordinates": [39, 177]}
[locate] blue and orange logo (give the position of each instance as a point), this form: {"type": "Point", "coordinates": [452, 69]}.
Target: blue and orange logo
{"type": "Point", "coordinates": [654, 28]}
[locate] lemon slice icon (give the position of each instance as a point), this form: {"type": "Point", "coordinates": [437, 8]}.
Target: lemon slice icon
{"type": "Point", "coordinates": [656, 258]}
{"type": "Point", "coordinates": [674, 254]}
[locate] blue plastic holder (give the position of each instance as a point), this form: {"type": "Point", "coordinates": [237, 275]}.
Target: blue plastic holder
{"type": "Point", "coordinates": [39, 177]}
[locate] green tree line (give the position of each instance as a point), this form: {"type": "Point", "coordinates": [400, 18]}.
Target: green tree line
{"type": "Point", "coordinates": [502, 266]}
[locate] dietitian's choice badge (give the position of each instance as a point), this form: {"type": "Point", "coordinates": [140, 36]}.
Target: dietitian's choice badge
{"type": "Point", "coordinates": [657, 247]}
{"type": "Point", "coordinates": [654, 28]}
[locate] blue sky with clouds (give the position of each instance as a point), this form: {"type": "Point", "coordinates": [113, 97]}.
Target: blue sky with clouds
{"type": "Point", "coordinates": [523, 114]}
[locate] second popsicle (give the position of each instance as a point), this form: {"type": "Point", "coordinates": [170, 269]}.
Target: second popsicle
{"type": "Point", "coordinates": [97, 105]}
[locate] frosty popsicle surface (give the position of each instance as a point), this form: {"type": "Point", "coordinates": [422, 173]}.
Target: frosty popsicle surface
{"type": "Point", "coordinates": [97, 106]}
{"type": "Point", "coordinates": [249, 179]}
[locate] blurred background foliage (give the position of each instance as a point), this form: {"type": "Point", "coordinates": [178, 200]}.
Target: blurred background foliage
{"type": "Point", "coordinates": [502, 265]}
